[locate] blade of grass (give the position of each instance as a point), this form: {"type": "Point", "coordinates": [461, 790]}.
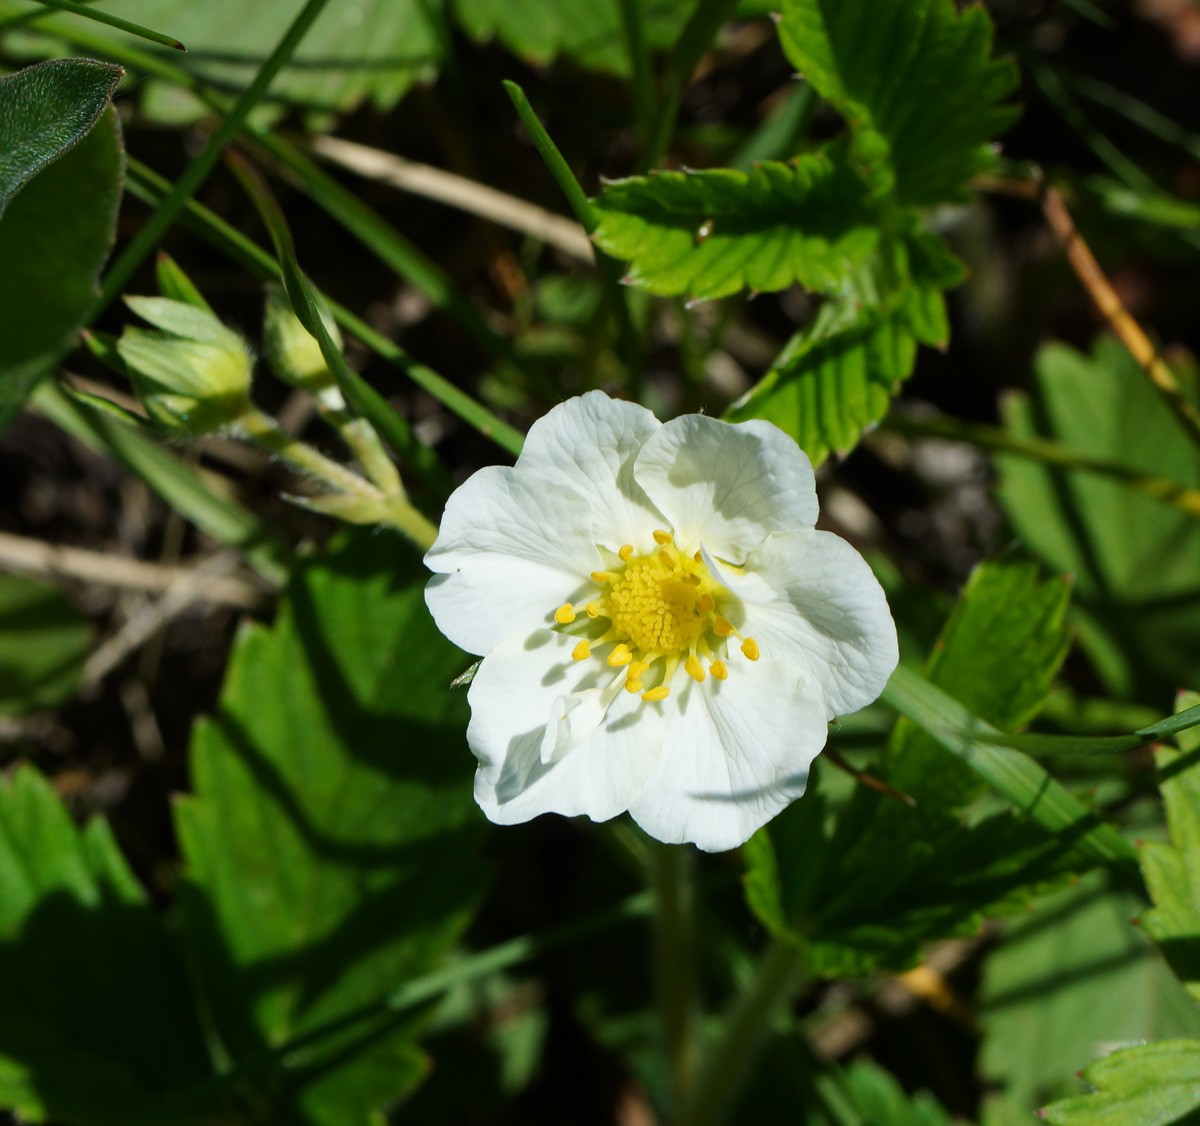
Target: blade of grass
{"type": "Point", "coordinates": [197, 172]}
{"type": "Point", "coordinates": [148, 185]}
{"type": "Point", "coordinates": [101, 16]}
{"type": "Point", "coordinates": [639, 66]}
{"type": "Point", "coordinates": [1015, 776]}
{"type": "Point", "coordinates": [693, 41]}
{"type": "Point", "coordinates": [628, 342]}
{"type": "Point", "coordinates": [1097, 744]}
{"type": "Point", "coordinates": [178, 484]}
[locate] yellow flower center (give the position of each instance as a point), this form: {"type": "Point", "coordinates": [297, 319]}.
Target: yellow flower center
{"type": "Point", "coordinates": [655, 603]}
{"type": "Point", "coordinates": [661, 607]}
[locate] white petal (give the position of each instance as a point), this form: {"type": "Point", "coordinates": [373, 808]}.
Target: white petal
{"type": "Point", "coordinates": [728, 485]}
{"type": "Point", "coordinates": [591, 443]}
{"type": "Point", "coordinates": [515, 695]}
{"type": "Point", "coordinates": [829, 615]}
{"type": "Point", "coordinates": [736, 753]}
{"type": "Point", "coordinates": [512, 548]}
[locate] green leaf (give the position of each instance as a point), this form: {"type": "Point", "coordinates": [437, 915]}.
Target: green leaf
{"type": "Point", "coordinates": [56, 233]}
{"type": "Point", "coordinates": [43, 643]}
{"type": "Point", "coordinates": [331, 840]}
{"type": "Point", "coordinates": [1173, 871]}
{"type": "Point", "coordinates": [376, 49]}
{"type": "Point", "coordinates": [44, 111]}
{"type": "Point", "coordinates": [1147, 1085]}
{"type": "Point", "coordinates": [710, 234]}
{"type": "Point", "coordinates": [891, 875]}
{"type": "Point", "coordinates": [590, 34]}
{"type": "Point", "coordinates": [915, 83]}
{"type": "Point", "coordinates": [838, 377]}
{"type": "Point", "coordinates": [96, 1018]}
{"type": "Point", "coordinates": [1071, 979]}
{"type": "Point", "coordinates": [1135, 561]}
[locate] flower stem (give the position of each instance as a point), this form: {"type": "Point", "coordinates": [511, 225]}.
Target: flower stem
{"type": "Point", "coordinates": [727, 1062]}
{"type": "Point", "coordinates": [670, 870]}
{"type": "Point", "coordinates": [391, 508]}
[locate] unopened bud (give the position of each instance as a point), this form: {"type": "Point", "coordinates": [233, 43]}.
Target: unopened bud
{"type": "Point", "coordinates": [293, 353]}
{"type": "Point", "coordinates": [194, 374]}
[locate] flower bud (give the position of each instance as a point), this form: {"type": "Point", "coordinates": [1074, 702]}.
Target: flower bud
{"type": "Point", "coordinates": [294, 354]}
{"type": "Point", "coordinates": [193, 375]}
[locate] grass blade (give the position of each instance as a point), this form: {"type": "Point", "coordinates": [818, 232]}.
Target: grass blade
{"type": "Point", "coordinates": [115, 21]}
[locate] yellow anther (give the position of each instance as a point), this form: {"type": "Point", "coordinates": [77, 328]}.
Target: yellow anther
{"type": "Point", "coordinates": [694, 668]}
{"type": "Point", "coordinates": [593, 610]}
{"type": "Point", "coordinates": [691, 580]}
{"type": "Point", "coordinates": [565, 614]}
{"type": "Point", "coordinates": [661, 538]}
{"type": "Point", "coordinates": [636, 669]}
{"type": "Point", "coordinates": [620, 656]}
{"type": "Point", "coordinates": [582, 651]}
{"type": "Point", "coordinates": [670, 556]}
{"type": "Point", "coordinates": [601, 577]}
{"type": "Point", "coordinates": [750, 648]}
{"type": "Point", "coordinates": [705, 603]}
{"type": "Point", "coordinates": [698, 557]}
{"type": "Point", "coordinates": [659, 693]}
{"type": "Point", "coordinates": [718, 669]}
{"type": "Point", "coordinates": [722, 627]}
{"type": "Point", "coordinates": [632, 686]}
{"type": "Point", "coordinates": [626, 552]}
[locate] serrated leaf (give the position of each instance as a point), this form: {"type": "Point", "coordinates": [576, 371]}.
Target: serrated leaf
{"type": "Point", "coordinates": [1070, 980]}
{"type": "Point", "coordinates": [1172, 871]}
{"type": "Point", "coordinates": [55, 235]}
{"type": "Point", "coordinates": [331, 841]}
{"type": "Point", "coordinates": [891, 875]}
{"type": "Point", "coordinates": [839, 376]}
{"type": "Point", "coordinates": [709, 234]}
{"type": "Point", "coordinates": [590, 34]}
{"type": "Point", "coordinates": [44, 111]}
{"type": "Point", "coordinates": [97, 1025]}
{"type": "Point", "coordinates": [914, 81]}
{"type": "Point", "coordinates": [1135, 561]}
{"type": "Point", "coordinates": [43, 644]}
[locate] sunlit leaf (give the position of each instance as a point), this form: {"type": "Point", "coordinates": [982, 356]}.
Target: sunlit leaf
{"type": "Point", "coordinates": [710, 234]}
{"type": "Point", "coordinates": [915, 83]}
{"type": "Point", "coordinates": [838, 377]}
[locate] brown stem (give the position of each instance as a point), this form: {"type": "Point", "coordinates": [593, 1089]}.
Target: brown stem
{"type": "Point", "coordinates": [1088, 270]}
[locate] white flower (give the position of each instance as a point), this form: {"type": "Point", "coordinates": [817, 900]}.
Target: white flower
{"type": "Point", "coordinates": [662, 628]}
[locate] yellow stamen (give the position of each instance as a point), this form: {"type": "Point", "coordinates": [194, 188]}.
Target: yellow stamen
{"type": "Point", "coordinates": [705, 603]}
{"type": "Point", "coordinates": [694, 668]}
{"type": "Point", "coordinates": [593, 610]}
{"type": "Point", "coordinates": [565, 614]}
{"type": "Point", "coordinates": [582, 651]}
{"type": "Point", "coordinates": [662, 538]}
{"type": "Point", "coordinates": [669, 556]}
{"type": "Point", "coordinates": [620, 656]}
{"type": "Point", "coordinates": [636, 669]}
{"type": "Point", "coordinates": [601, 577]}
{"type": "Point", "coordinates": [692, 580]}
{"type": "Point", "coordinates": [722, 627]}
{"type": "Point", "coordinates": [659, 693]}
{"type": "Point", "coordinates": [632, 686]}
{"type": "Point", "coordinates": [626, 552]}
{"type": "Point", "coordinates": [718, 669]}
{"type": "Point", "coordinates": [750, 648]}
